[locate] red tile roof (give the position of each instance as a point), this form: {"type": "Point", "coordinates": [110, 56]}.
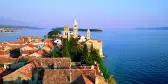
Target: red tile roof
{"type": "Point", "coordinates": [65, 76]}
{"type": "Point", "coordinates": [90, 42]}
{"type": "Point", "coordinates": [64, 63]}
{"type": "Point", "coordinates": [89, 67]}
{"type": "Point", "coordinates": [41, 52]}
{"type": "Point", "coordinates": [1, 70]}
{"type": "Point", "coordinates": [7, 60]}
{"type": "Point", "coordinates": [37, 65]}
{"type": "Point", "coordinates": [31, 45]}
{"type": "Point", "coordinates": [16, 42]}
{"type": "Point", "coordinates": [82, 79]}
{"type": "Point", "coordinates": [87, 81]}
{"type": "Point", "coordinates": [4, 53]}
{"type": "Point", "coordinates": [99, 41]}
{"type": "Point", "coordinates": [28, 51]}
{"type": "Point", "coordinates": [50, 44]}
{"type": "Point", "coordinates": [24, 72]}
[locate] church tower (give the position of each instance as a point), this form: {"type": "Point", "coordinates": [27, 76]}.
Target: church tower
{"type": "Point", "coordinates": [88, 34]}
{"type": "Point", "coordinates": [75, 29]}
{"type": "Point", "coordinates": [66, 33]}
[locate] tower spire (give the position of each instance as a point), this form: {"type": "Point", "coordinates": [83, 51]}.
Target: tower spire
{"type": "Point", "coordinates": [75, 22]}
{"type": "Point", "coordinates": [75, 28]}
{"type": "Point", "coordinates": [88, 34]}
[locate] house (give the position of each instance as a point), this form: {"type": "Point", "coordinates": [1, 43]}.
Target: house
{"type": "Point", "coordinates": [50, 44]}
{"type": "Point", "coordinates": [39, 53]}
{"type": "Point", "coordinates": [27, 47]}
{"type": "Point", "coordinates": [16, 43]}
{"type": "Point", "coordinates": [59, 63]}
{"type": "Point", "coordinates": [29, 39]}
{"type": "Point", "coordinates": [35, 54]}
{"type": "Point", "coordinates": [90, 67]}
{"type": "Point", "coordinates": [4, 60]}
{"type": "Point", "coordinates": [24, 72]}
{"type": "Point", "coordinates": [69, 76]}
{"type": "Point", "coordinates": [4, 48]}
{"type": "Point", "coordinates": [4, 54]}
{"type": "Point", "coordinates": [97, 44]}
{"type": "Point", "coordinates": [58, 41]}
{"type": "Point", "coordinates": [61, 74]}
{"type": "Point", "coordinates": [1, 70]}
{"type": "Point", "coordinates": [82, 39]}
{"type": "Point", "coordinates": [28, 52]}
{"type": "Point", "coordinates": [46, 48]}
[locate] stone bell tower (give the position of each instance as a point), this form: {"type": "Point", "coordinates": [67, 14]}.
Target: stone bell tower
{"type": "Point", "coordinates": [66, 33]}
{"type": "Point", "coordinates": [88, 34]}
{"type": "Point", "coordinates": [75, 29]}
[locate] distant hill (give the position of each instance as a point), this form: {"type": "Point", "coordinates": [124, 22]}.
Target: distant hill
{"type": "Point", "coordinates": [11, 26]}
{"type": "Point", "coordinates": [79, 29]}
{"type": "Point", "coordinates": [9, 23]}
{"type": "Point", "coordinates": [157, 28]}
{"type": "Point", "coordinates": [6, 21]}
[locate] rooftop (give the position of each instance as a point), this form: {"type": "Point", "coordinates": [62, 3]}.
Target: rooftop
{"type": "Point", "coordinates": [7, 60]}
{"type": "Point", "coordinates": [64, 63]}
{"type": "Point", "coordinates": [65, 76]}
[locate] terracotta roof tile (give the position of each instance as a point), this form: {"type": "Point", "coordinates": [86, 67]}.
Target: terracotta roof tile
{"type": "Point", "coordinates": [65, 76]}
{"type": "Point", "coordinates": [4, 53]}
{"type": "Point", "coordinates": [60, 62]}
{"type": "Point", "coordinates": [1, 70]}
{"type": "Point", "coordinates": [7, 60]}
{"type": "Point", "coordinates": [16, 42]}
{"type": "Point", "coordinates": [82, 79]}
{"type": "Point", "coordinates": [24, 72]}
{"type": "Point", "coordinates": [50, 44]}
{"type": "Point", "coordinates": [90, 73]}
{"type": "Point", "coordinates": [28, 51]}
{"type": "Point", "coordinates": [60, 76]}
{"type": "Point", "coordinates": [89, 67]}
{"type": "Point", "coordinates": [99, 41]}
{"type": "Point", "coordinates": [41, 52]}
{"type": "Point", "coordinates": [31, 45]}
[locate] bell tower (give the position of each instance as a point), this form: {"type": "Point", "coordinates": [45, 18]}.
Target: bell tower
{"type": "Point", "coordinates": [66, 33]}
{"type": "Point", "coordinates": [88, 34]}
{"type": "Point", "coordinates": [75, 29]}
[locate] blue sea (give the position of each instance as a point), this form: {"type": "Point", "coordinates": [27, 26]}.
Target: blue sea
{"type": "Point", "coordinates": [133, 56]}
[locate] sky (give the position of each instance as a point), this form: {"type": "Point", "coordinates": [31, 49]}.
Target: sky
{"type": "Point", "coordinates": [89, 13]}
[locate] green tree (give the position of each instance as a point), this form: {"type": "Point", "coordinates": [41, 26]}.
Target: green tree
{"type": "Point", "coordinates": [53, 33]}
{"type": "Point", "coordinates": [72, 48]}
{"type": "Point", "coordinates": [85, 54]}
{"type": "Point", "coordinates": [64, 47]}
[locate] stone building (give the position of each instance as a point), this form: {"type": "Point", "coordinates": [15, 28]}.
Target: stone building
{"type": "Point", "coordinates": [66, 33]}
{"type": "Point", "coordinates": [97, 44]}
{"type": "Point", "coordinates": [88, 34]}
{"type": "Point", "coordinates": [29, 39]}
{"type": "Point", "coordinates": [75, 29]}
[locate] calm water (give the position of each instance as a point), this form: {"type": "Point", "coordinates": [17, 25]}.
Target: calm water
{"type": "Point", "coordinates": [133, 56]}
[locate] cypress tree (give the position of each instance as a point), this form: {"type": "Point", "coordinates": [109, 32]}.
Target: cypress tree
{"type": "Point", "coordinates": [85, 54]}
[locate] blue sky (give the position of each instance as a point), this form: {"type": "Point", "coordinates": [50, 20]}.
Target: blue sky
{"type": "Point", "coordinates": [89, 13]}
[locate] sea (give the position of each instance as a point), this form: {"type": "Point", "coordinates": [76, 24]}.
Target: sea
{"type": "Point", "coordinates": [132, 56]}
